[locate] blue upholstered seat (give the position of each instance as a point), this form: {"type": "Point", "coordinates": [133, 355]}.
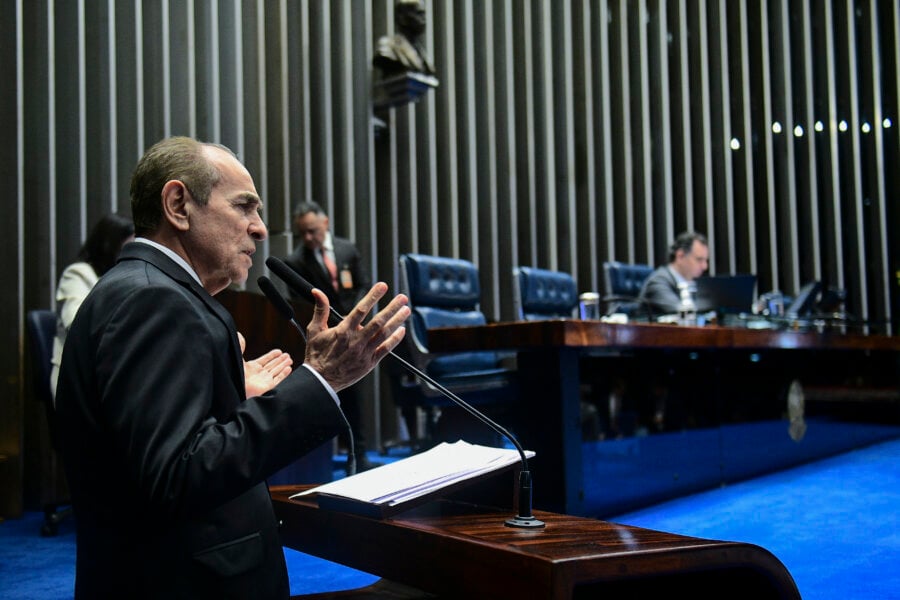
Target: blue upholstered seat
{"type": "Point", "coordinates": [623, 285]}
{"type": "Point", "coordinates": [544, 294]}
{"type": "Point", "coordinates": [445, 292]}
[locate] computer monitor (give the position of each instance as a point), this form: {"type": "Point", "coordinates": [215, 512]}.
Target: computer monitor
{"type": "Point", "coordinates": [726, 293]}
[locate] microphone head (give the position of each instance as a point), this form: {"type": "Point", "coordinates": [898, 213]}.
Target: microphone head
{"type": "Point", "coordinates": [291, 278]}
{"type": "Point", "coordinates": [275, 297]}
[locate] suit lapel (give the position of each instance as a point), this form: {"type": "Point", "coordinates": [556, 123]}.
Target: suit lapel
{"type": "Point", "coordinates": [147, 253]}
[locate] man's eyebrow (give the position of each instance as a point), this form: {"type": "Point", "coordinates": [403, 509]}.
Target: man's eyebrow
{"type": "Point", "coordinates": [250, 197]}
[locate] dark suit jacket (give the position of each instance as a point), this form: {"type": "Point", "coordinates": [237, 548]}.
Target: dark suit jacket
{"type": "Point", "coordinates": [660, 292]}
{"type": "Point", "coordinates": [165, 458]}
{"type": "Point", "coordinates": [348, 259]}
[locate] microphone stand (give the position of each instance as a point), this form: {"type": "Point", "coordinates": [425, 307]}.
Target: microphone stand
{"type": "Point", "coordinates": [284, 309]}
{"type": "Point", "coordinates": [524, 517]}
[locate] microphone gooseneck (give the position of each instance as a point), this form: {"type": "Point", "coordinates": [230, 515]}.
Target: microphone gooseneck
{"type": "Point", "coordinates": [285, 310]}
{"type": "Point", "coordinates": [524, 517]}
{"type": "Point", "coordinates": [277, 300]}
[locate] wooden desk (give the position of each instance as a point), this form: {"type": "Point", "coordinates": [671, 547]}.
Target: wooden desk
{"type": "Point", "coordinates": [459, 550]}
{"type": "Point", "coordinates": [549, 354]}
{"type": "Point", "coordinates": [527, 335]}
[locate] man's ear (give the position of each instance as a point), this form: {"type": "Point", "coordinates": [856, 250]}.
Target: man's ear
{"type": "Point", "coordinates": [175, 196]}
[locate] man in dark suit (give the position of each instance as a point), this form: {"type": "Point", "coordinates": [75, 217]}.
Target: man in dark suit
{"type": "Point", "coordinates": [688, 259]}
{"type": "Point", "coordinates": [316, 245]}
{"type": "Point", "coordinates": [165, 456]}
{"type": "Point", "coordinates": [334, 265]}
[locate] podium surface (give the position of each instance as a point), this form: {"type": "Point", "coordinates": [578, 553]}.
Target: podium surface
{"type": "Point", "coordinates": [462, 550]}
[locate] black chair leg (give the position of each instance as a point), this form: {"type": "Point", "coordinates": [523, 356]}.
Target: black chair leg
{"type": "Point", "coordinates": [52, 519]}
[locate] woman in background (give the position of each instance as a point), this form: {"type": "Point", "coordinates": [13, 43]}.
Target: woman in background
{"type": "Point", "coordinates": [97, 256]}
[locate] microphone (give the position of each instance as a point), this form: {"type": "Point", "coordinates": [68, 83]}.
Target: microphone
{"type": "Point", "coordinates": [524, 517]}
{"type": "Point", "coordinates": [299, 285]}
{"type": "Point", "coordinates": [284, 309]}
{"type": "Point", "coordinates": [278, 301]}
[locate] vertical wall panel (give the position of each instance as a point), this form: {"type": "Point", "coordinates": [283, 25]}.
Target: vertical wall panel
{"type": "Point", "coordinates": [505, 115]}
{"type": "Point", "coordinates": [525, 133]}
{"type": "Point", "coordinates": [683, 121]}
{"type": "Point", "coordinates": [722, 167]}
{"type": "Point", "coordinates": [832, 245]}
{"type": "Point", "coordinates": [12, 385]}
{"type": "Point", "coordinates": [564, 253]}
{"type": "Point", "coordinates": [660, 135]}
{"type": "Point", "coordinates": [561, 134]}
{"type": "Point", "coordinates": [703, 115]}
{"type": "Point", "coordinates": [586, 201]}
{"type": "Point", "coordinates": [808, 221]}
{"type": "Point", "coordinates": [450, 179]}
{"type": "Point", "coordinates": [604, 166]}
{"type": "Point", "coordinates": [784, 157]}
{"type": "Point", "coordinates": [743, 135]}
{"type": "Point", "coordinates": [485, 141]}
{"type": "Point", "coordinates": [623, 166]}
{"type": "Point", "coordinates": [855, 247]}
{"type": "Point", "coordinates": [644, 132]}
{"type": "Point", "coordinates": [99, 163]}
{"type": "Point", "coordinates": [876, 236]}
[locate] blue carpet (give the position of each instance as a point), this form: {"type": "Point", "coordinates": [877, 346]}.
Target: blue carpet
{"type": "Point", "coordinates": [835, 523]}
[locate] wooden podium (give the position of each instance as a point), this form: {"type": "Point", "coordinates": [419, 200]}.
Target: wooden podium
{"type": "Point", "coordinates": [455, 549]}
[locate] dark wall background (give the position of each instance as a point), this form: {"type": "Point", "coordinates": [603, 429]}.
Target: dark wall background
{"type": "Point", "coordinates": [562, 134]}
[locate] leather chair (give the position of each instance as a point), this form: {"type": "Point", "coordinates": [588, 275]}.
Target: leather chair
{"type": "Point", "coordinates": [445, 292]}
{"type": "Point", "coordinates": [623, 285]}
{"type": "Point", "coordinates": [544, 294]}
{"type": "Point", "coordinates": [41, 327]}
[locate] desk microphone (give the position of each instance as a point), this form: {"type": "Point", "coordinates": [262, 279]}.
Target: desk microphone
{"type": "Point", "coordinates": [524, 518]}
{"type": "Point", "coordinates": [284, 309]}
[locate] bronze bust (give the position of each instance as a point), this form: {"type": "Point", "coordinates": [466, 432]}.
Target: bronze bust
{"type": "Point", "coordinates": [403, 69]}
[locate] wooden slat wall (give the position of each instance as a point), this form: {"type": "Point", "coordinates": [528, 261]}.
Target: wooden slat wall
{"type": "Point", "coordinates": [562, 134]}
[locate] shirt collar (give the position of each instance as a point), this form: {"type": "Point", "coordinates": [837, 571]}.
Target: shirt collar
{"type": "Point", "coordinates": [171, 254]}
{"type": "Point", "coordinates": [678, 277]}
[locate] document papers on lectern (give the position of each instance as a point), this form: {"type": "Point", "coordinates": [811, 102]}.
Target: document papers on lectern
{"type": "Point", "coordinates": [420, 474]}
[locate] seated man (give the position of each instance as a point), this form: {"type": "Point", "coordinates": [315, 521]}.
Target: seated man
{"type": "Point", "coordinates": [688, 259]}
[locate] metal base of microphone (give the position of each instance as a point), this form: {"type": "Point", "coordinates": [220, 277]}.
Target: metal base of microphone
{"type": "Point", "coordinates": [528, 521]}
{"type": "Point", "coordinates": [524, 522]}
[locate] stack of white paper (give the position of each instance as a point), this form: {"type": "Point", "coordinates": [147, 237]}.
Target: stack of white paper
{"type": "Point", "coordinates": [420, 474]}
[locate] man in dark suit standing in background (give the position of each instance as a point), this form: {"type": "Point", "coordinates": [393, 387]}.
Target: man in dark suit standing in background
{"type": "Point", "coordinates": [334, 265]}
{"type": "Point", "coordinates": [165, 456]}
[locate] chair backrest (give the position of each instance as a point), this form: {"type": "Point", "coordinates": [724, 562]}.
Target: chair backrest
{"type": "Point", "coordinates": [443, 292]}
{"type": "Point", "coordinates": [41, 326]}
{"type": "Point", "coordinates": [543, 294]}
{"type": "Point", "coordinates": [625, 279]}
